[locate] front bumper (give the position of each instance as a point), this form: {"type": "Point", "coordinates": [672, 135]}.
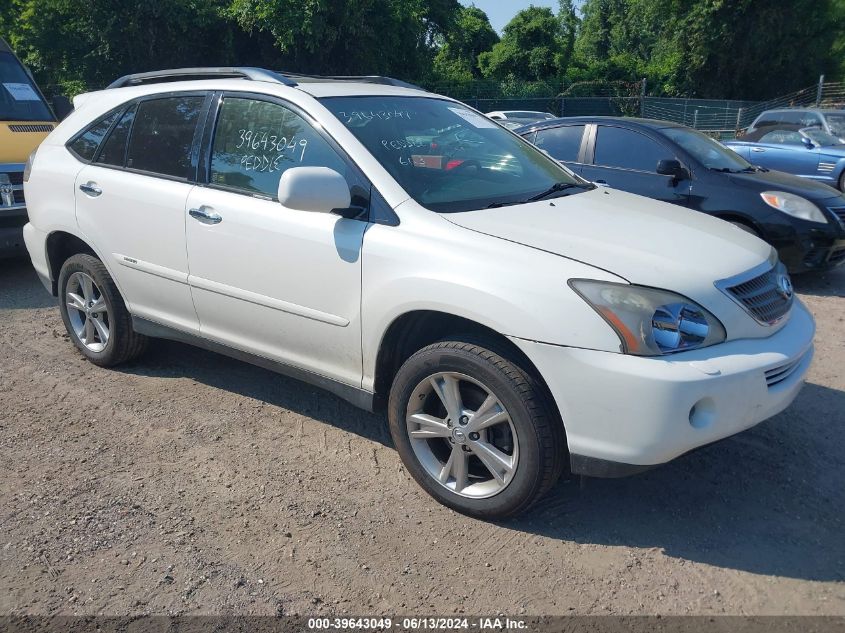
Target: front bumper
{"type": "Point", "coordinates": [807, 246]}
{"type": "Point", "coordinates": [624, 414]}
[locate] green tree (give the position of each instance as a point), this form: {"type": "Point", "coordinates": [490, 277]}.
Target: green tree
{"type": "Point", "coordinates": [80, 45]}
{"type": "Point", "coordinates": [711, 48]}
{"type": "Point", "coordinates": [469, 36]}
{"type": "Point", "coordinates": [394, 37]}
{"type": "Point", "coordinates": [530, 47]}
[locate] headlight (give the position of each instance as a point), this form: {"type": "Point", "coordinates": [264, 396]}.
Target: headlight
{"type": "Point", "coordinates": [793, 205]}
{"type": "Point", "coordinates": [651, 322]}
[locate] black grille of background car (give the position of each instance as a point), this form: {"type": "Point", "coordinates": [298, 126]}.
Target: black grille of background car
{"type": "Point", "coordinates": [15, 177]}
{"type": "Point", "coordinates": [762, 297]}
{"type": "Point", "coordinates": [43, 127]}
{"type": "Point", "coordinates": [839, 212]}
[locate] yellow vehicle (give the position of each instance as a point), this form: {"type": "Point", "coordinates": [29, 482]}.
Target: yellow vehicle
{"type": "Point", "coordinates": [25, 120]}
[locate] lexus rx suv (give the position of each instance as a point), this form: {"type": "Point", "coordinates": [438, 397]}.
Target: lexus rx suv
{"type": "Point", "coordinates": [405, 252]}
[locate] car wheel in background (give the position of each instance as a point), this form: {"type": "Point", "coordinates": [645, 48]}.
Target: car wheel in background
{"type": "Point", "coordinates": [475, 430]}
{"type": "Point", "coordinates": [94, 313]}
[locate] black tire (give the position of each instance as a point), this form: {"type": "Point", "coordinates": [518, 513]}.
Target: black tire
{"type": "Point", "coordinates": [841, 183]}
{"type": "Point", "coordinates": [542, 447]}
{"type": "Point", "coordinates": [124, 343]}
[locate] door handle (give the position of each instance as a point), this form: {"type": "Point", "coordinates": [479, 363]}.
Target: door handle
{"type": "Point", "coordinates": [206, 215]}
{"type": "Point", "coordinates": [90, 189]}
{"type": "Point", "coordinates": [758, 149]}
{"type": "Point", "coordinates": [601, 183]}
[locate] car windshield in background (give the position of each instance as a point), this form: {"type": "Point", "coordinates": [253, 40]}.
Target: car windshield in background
{"type": "Point", "coordinates": [19, 100]}
{"type": "Point", "coordinates": [820, 137]}
{"type": "Point", "coordinates": [836, 123]}
{"type": "Point", "coordinates": [448, 157]}
{"type": "Point", "coordinates": [707, 151]}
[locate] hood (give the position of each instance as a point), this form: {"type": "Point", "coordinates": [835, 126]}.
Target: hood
{"type": "Point", "coordinates": [641, 240]}
{"type": "Point", "coordinates": [780, 181]}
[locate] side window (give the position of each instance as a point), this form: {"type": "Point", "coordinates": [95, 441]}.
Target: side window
{"type": "Point", "coordinates": [163, 135]}
{"type": "Point", "coordinates": [782, 137]}
{"type": "Point", "coordinates": [813, 120]}
{"type": "Point", "coordinates": [114, 149]}
{"type": "Point", "coordinates": [85, 146]}
{"type": "Point", "coordinates": [617, 147]}
{"type": "Point", "coordinates": [256, 142]}
{"type": "Point", "coordinates": [562, 143]}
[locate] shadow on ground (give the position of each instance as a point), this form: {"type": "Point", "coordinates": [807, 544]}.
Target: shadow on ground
{"type": "Point", "coordinates": [824, 284]}
{"type": "Point", "coordinates": [768, 501]}
{"type": "Point", "coordinates": [20, 288]}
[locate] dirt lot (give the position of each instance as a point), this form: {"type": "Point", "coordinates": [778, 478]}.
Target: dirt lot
{"type": "Point", "coordinates": [191, 483]}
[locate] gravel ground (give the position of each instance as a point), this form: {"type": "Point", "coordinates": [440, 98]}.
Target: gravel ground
{"type": "Point", "coordinates": [190, 483]}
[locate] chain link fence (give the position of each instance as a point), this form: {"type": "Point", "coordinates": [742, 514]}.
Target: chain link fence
{"type": "Point", "coordinates": [721, 118]}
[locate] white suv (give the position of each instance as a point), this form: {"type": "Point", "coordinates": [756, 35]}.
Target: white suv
{"type": "Point", "coordinates": [400, 249]}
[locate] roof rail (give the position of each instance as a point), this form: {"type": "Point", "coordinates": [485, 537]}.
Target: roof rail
{"type": "Point", "coordinates": [370, 79]}
{"type": "Point", "coordinates": [187, 74]}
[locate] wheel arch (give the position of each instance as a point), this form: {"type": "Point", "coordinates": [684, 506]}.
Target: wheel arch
{"type": "Point", "coordinates": [61, 245]}
{"type": "Point", "coordinates": [734, 216]}
{"type": "Point", "coordinates": [415, 329]}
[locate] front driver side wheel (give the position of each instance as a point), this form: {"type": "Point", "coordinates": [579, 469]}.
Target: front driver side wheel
{"type": "Point", "coordinates": [475, 430]}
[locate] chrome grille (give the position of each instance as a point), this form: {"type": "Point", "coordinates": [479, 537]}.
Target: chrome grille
{"type": "Point", "coordinates": [11, 187]}
{"type": "Point", "coordinates": [766, 297]}
{"type": "Point", "coordinates": [31, 128]}
{"type": "Point", "coordinates": [839, 212]}
{"type": "Point", "coordinates": [780, 373]}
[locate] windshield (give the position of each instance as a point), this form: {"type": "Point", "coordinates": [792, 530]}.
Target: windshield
{"type": "Point", "coordinates": [448, 157]}
{"type": "Point", "coordinates": [836, 123]}
{"type": "Point", "coordinates": [19, 100]}
{"type": "Point", "coordinates": [708, 152]}
{"type": "Point", "coordinates": [820, 137]}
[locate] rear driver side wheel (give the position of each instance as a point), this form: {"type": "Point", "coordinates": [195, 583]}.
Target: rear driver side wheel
{"type": "Point", "coordinates": [94, 313]}
{"type": "Point", "coordinates": [475, 430]}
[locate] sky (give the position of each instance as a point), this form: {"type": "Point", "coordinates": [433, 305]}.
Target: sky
{"type": "Point", "coordinates": [500, 12]}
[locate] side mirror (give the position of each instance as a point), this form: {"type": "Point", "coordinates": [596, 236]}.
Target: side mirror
{"type": "Point", "coordinates": [317, 189]}
{"type": "Point", "coordinates": [671, 167]}
{"type": "Point", "coordinates": [62, 106]}
{"type": "Point", "coordinates": [808, 142]}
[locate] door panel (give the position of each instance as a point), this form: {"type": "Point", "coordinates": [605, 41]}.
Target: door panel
{"type": "Point", "coordinates": [279, 283]}
{"type": "Point", "coordinates": [139, 223]}
{"type": "Point", "coordinates": [269, 280]}
{"type": "Point", "coordinates": [793, 159]}
{"type": "Point", "coordinates": [783, 150]}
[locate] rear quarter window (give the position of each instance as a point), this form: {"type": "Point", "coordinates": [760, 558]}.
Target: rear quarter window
{"type": "Point", "coordinates": [85, 145]}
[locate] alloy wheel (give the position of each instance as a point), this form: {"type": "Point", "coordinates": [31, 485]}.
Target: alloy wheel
{"type": "Point", "coordinates": [462, 435]}
{"type": "Point", "coordinates": [87, 311]}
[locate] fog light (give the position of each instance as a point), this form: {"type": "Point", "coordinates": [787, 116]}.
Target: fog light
{"type": "Point", "coordinates": [702, 413]}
